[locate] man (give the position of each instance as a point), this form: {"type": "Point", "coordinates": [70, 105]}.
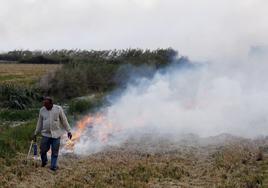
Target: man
{"type": "Point", "coordinates": [52, 123]}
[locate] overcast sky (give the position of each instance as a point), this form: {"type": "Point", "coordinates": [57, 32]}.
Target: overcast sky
{"type": "Point", "coordinates": [200, 29]}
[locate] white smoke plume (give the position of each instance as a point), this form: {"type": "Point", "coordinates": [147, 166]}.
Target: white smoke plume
{"type": "Point", "coordinates": [206, 99]}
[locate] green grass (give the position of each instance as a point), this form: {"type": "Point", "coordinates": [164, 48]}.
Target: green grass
{"type": "Point", "coordinates": [18, 115]}
{"type": "Point", "coordinates": [10, 77]}
{"type": "Point", "coordinates": [16, 139]}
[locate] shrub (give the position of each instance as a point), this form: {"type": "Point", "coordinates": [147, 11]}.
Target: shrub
{"type": "Point", "coordinates": [17, 97]}
{"type": "Point", "coordinates": [79, 79]}
{"type": "Point", "coordinates": [82, 105]}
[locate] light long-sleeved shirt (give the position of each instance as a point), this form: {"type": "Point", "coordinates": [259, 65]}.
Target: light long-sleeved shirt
{"type": "Point", "coordinates": [52, 123]}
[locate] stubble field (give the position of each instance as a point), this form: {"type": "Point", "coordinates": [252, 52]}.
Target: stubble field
{"type": "Point", "coordinates": [146, 163]}
{"type": "Point", "coordinates": [24, 73]}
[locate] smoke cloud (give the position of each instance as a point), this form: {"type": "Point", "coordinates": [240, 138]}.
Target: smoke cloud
{"type": "Point", "coordinates": [206, 99]}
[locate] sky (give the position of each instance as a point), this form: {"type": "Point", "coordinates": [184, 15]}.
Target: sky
{"type": "Point", "coordinates": [199, 29]}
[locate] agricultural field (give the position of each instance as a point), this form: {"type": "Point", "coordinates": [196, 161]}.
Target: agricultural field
{"type": "Point", "coordinates": [143, 163]}
{"type": "Point", "coordinates": [24, 73]}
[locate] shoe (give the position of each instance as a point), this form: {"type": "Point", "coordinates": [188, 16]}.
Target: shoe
{"type": "Point", "coordinates": [54, 168]}
{"type": "Point", "coordinates": [43, 164]}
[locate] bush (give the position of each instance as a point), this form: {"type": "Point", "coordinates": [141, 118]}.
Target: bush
{"type": "Point", "coordinates": [79, 79]}
{"type": "Point", "coordinates": [17, 97]}
{"type": "Point", "coordinates": [82, 105]}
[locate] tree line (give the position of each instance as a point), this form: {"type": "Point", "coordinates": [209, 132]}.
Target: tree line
{"type": "Point", "coordinates": [133, 56]}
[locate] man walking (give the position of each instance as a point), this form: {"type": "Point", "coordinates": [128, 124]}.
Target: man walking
{"type": "Point", "coordinates": [52, 123]}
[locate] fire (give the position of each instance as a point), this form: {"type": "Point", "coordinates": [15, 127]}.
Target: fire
{"type": "Point", "coordinates": [99, 126]}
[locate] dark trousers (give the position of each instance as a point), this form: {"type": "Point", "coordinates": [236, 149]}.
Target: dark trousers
{"type": "Point", "coordinates": [46, 143]}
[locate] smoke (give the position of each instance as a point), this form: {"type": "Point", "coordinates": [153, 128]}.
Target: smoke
{"type": "Point", "coordinates": [206, 99]}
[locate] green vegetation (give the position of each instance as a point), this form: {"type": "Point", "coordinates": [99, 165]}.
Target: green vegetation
{"type": "Point", "coordinates": [15, 139]}
{"type": "Point", "coordinates": [85, 104]}
{"type": "Point", "coordinates": [84, 72]}
{"type": "Point", "coordinates": [132, 56]}
{"type": "Point", "coordinates": [79, 79]}
{"type": "Point", "coordinates": [17, 97]}
{"type": "Point", "coordinates": [91, 72]}
{"type": "Point", "coordinates": [18, 115]}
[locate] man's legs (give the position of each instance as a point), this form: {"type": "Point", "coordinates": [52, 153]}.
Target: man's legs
{"type": "Point", "coordinates": [55, 145]}
{"type": "Point", "coordinates": [44, 147]}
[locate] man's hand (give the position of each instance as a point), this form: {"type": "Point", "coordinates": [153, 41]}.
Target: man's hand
{"type": "Point", "coordinates": [34, 137]}
{"type": "Point", "coordinates": [70, 135]}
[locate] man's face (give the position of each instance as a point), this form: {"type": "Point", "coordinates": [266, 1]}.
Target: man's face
{"type": "Point", "coordinates": [47, 104]}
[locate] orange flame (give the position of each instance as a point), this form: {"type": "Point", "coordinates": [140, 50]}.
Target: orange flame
{"type": "Point", "coordinates": [90, 122]}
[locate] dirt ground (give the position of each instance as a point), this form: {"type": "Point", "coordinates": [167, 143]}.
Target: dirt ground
{"type": "Point", "coordinates": [228, 162]}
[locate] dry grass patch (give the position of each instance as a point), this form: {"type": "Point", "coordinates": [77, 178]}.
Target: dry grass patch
{"type": "Point", "coordinates": [24, 73]}
{"type": "Point", "coordinates": [232, 165]}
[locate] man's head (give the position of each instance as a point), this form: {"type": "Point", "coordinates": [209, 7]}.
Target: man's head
{"type": "Point", "coordinates": [48, 103]}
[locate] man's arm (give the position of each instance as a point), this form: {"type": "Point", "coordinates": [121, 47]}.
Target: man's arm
{"type": "Point", "coordinates": [39, 124]}
{"type": "Point", "coordinates": [64, 121]}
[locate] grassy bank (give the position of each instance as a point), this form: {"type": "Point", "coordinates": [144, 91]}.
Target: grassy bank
{"type": "Point", "coordinates": [15, 139]}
